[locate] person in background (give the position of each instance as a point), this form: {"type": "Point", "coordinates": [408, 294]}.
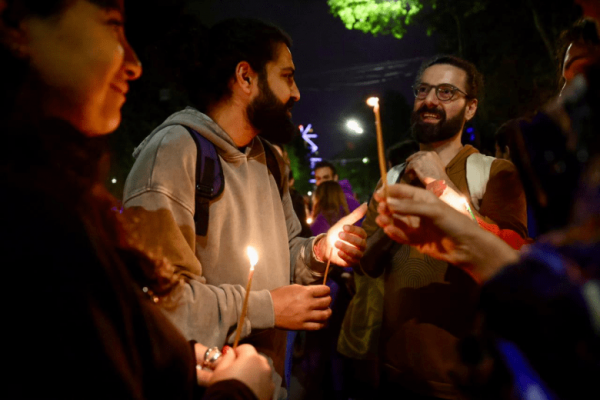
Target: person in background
{"type": "Point", "coordinates": [86, 289]}
{"type": "Point", "coordinates": [325, 171]}
{"type": "Point", "coordinates": [319, 370]}
{"type": "Point", "coordinates": [330, 205]}
{"type": "Point", "coordinates": [299, 207]}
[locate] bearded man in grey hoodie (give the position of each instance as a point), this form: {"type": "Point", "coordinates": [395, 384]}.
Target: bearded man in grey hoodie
{"type": "Point", "coordinates": [247, 91]}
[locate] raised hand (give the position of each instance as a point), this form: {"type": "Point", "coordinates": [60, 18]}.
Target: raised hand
{"type": "Point", "coordinates": [417, 217]}
{"type": "Point", "coordinates": [427, 166]}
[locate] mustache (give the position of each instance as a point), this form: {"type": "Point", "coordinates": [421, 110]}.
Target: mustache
{"type": "Point", "coordinates": [435, 110]}
{"type": "Point", "coordinates": [290, 104]}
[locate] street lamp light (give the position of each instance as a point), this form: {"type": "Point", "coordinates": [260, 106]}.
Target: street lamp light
{"type": "Point", "coordinates": [354, 127]}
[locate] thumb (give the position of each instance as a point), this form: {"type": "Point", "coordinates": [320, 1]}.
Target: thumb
{"type": "Point", "coordinates": [355, 215]}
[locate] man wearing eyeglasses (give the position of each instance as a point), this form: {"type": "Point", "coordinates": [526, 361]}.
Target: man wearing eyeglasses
{"type": "Point", "coordinates": [428, 305]}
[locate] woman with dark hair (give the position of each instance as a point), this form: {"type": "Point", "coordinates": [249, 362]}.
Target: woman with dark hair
{"type": "Point", "coordinates": [81, 316]}
{"type": "Point", "coordinates": [330, 205]}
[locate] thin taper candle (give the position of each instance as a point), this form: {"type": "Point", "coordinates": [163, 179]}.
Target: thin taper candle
{"type": "Point", "coordinates": [374, 102]}
{"type": "Point", "coordinates": [253, 260]}
{"type": "Point", "coordinates": [468, 208]}
{"type": "Point", "coordinates": [327, 267]}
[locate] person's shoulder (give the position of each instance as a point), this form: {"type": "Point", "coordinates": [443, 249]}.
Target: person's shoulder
{"type": "Point", "coordinates": [500, 165]}
{"type": "Point", "coordinates": [175, 137]}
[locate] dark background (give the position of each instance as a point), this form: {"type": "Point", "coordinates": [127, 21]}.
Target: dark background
{"type": "Point", "coordinates": [512, 42]}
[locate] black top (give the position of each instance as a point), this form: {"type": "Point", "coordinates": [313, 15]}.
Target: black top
{"type": "Point", "coordinates": [76, 323]}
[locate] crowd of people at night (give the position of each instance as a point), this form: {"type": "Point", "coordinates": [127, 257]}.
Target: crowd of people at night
{"type": "Point", "coordinates": [466, 276]}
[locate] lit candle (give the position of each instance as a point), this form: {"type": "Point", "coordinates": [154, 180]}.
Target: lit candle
{"type": "Point", "coordinates": [374, 102]}
{"type": "Point", "coordinates": [253, 260]}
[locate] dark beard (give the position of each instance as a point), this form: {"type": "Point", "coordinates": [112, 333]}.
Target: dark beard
{"type": "Point", "coordinates": [269, 115]}
{"type": "Point", "coordinates": [426, 133]}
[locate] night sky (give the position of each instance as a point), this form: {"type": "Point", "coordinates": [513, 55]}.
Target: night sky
{"type": "Point", "coordinates": [335, 68]}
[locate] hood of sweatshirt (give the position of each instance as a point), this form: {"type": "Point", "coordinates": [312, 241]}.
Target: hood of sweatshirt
{"type": "Point", "coordinates": [204, 125]}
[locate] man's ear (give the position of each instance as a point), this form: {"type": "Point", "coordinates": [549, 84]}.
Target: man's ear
{"type": "Point", "coordinates": [245, 76]}
{"type": "Point", "coordinates": [336, 177]}
{"type": "Point", "coordinates": [471, 109]}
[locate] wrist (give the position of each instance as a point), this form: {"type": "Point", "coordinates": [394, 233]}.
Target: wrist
{"type": "Point", "coordinates": [488, 255]}
{"type": "Point", "coordinates": [320, 248]}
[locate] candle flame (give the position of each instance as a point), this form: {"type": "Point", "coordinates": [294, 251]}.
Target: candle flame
{"type": "Point", "coordinates": [309, 220]}
{"type": "Point", "coordinates": [464, 203]}
{"type": "Point", "coordinates": [253, 256]}
{"type": "Point", "coordinates": [373, 101]}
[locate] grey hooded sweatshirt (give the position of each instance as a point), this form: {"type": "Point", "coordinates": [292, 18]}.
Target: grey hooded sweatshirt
{"type": "Point", "coordinates": [159, 193]}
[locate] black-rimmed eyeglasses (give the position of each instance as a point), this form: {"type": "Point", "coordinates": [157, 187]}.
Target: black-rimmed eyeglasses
{"type": "Point", "coordinates": [444, 92]}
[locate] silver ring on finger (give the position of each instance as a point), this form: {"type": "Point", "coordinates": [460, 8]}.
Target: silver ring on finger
{"type": "Point", "coordinates": [211, 356]}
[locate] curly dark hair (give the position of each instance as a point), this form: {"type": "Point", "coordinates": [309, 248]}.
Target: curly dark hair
{"type": "Point", "coordinates": [474, 77]}
{"type": "Point", "coordinates": [226, 45]}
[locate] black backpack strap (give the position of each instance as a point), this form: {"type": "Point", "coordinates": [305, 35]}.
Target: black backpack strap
{"type": "Point", "coordinates": [209, 179]}
{"type": "Point", "coordinates": [273, 165]}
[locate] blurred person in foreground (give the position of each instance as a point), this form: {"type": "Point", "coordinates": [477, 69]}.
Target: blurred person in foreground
{"type": "Point", "coordinates": [578, 47]}
{"type": "Point", "coordinates": [539, 324]}
{"type": "Point", "coordinates": [244, 88]}
{"type": "Point", "coordinates": [84, 289]}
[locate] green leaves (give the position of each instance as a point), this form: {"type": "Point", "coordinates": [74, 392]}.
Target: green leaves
{"type": "Point", "coordinates": [385, 17]}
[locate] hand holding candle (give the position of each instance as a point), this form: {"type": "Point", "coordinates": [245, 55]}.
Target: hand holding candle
{"type": "Point", "coordinates": [451, 197]}
{"type": "Point", "coordinates": [253, 256]}
{"type": "Point", "coordinates": [345, 243]}
{"type": "Point", "coordinates": [468, 208]}
{"type": "Point", "coordinates": [374, 102]}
